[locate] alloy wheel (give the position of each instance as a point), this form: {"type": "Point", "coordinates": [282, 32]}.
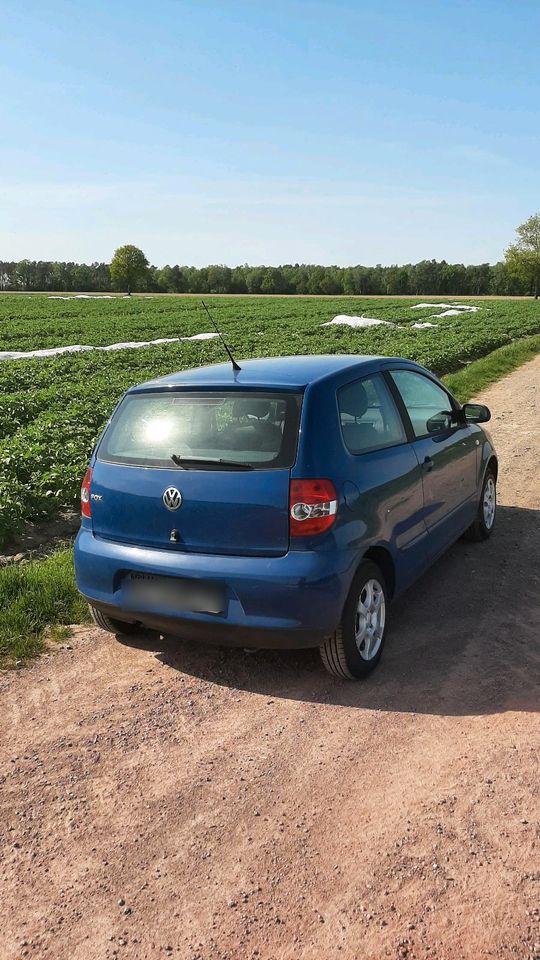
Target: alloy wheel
{"type": "Point", "coordinates": [370, 619]}
{"type": "Point", "coordinates": [490, 502]}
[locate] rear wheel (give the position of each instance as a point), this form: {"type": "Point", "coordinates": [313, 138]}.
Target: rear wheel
{"type": "Point", "coordinates": [356, 646]}
{"type": "Point", "coordinates": [482, 527]}
{"type": "Point", "coordinates": [112, 626]}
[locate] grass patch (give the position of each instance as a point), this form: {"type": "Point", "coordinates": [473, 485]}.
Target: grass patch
{"type": "Point", "coordinates": [34, 595]}
{"type": "Point", "coordinates": [480, 374]}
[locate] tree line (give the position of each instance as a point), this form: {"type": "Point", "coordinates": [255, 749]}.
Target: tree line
{"type": "Point", "coordinates": [130, 271]}
{"type": "Point", "coordinates": [418, 279]}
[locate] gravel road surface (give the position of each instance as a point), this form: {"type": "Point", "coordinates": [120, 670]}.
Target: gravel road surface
{"type": "Point", "coordinates": [163, 800]}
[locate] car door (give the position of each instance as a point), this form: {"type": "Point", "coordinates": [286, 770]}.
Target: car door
{"type": "Point", "coordinates": [446, 449]}
{"type": "Point", "coordinates": [383, 477]}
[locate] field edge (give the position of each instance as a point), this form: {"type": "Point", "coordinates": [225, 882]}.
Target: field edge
{"type": "Point", "coordinates": [481, 373]}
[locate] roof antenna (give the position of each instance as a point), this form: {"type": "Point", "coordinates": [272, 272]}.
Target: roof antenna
{"type": "Point", "coordinates": [235, 366]}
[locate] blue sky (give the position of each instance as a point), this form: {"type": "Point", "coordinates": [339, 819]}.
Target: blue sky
{"type": "Point", "coordinates": [230, 132]}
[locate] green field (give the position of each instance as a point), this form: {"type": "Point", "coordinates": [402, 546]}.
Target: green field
{"type": "Point", "coordinates": [51, 410]}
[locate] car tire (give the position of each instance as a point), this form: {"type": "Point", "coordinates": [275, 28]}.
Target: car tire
{"type": "Point", "coordinates": [482, 528]}
{"type": "Point", "coordinates": [355, 648]}
{"type": "Point", "coordinates": [110, 625]}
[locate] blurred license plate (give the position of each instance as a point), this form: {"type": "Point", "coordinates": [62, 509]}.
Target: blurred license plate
{"type": "Point", "coordinates": [172, 593]}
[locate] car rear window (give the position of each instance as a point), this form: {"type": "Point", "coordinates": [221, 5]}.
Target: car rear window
{"type": "Point", "coordinates": [249, 428]}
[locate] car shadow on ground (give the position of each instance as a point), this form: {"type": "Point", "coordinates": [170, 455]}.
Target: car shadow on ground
{"type": "Point", "coordinates": [464, 640]}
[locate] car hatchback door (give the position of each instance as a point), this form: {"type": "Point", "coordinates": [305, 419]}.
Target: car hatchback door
{"type": "Point", "coordinates": [198, 471]}
{"type": "Point", "coordinates": [446, 449]}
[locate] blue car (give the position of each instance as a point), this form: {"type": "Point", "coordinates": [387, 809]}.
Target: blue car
{"type": "Point", "coordinates": [283, 504]}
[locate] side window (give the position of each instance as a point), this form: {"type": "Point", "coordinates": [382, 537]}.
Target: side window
{"type": "Point", "coordinates": [428, 405]}
{"type": "Point", "coordinates": [369, 418]}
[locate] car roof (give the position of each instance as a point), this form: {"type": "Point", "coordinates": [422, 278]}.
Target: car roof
{"type": "Point", "coordinates": [294, 372]}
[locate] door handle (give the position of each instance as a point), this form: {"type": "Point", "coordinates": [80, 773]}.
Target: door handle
{"type": "Point", "coordinates": [427, 464]}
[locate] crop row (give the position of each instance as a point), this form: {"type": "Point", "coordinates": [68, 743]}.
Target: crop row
{"type": "Point", "coordinates": [35, 322]}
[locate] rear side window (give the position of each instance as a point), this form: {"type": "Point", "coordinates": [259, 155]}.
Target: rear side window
{"type": "Point", "coordinates": [247, 428]}
{"type": "Point", "coordinates": [369, 417]}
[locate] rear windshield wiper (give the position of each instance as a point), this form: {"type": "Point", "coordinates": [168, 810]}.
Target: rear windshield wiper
{"type": "Point", "coordinates": [187, 462]}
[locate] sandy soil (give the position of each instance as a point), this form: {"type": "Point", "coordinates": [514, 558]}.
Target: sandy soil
{"type": "Point", "coordinates": [163, 800]}
{"type": "Point", "coordinates": [37, 539]}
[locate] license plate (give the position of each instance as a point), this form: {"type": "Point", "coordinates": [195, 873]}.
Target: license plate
{"type": "Point", "coordinates": [174, 593]}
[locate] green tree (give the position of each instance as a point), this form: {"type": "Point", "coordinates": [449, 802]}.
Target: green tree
{"type": "Point", "coordinates": [129, 268]}
{"type": "Point", "coordinates": [219, 278]}
{"type": "Point", "coordinates": [523, 257]}
{"type": "Point", "coordinates": [426, 277]}
{"type": "Point", "coordinates": [453, 278]}
{"type": "Point", "coordinates": [238, 280]}
{"type": "Point", "coordinates": [254, 279]}
{"type": "Point", "coordinates": [478, 277]}
{"type": "Point", "coordinates": [331, 281]}
{"type": "Point", "coordinates": [500, 280]}
{"type": "Point", "coordinates": [165, 279]}
{"type": "Point", "coordinates": [397, 280]}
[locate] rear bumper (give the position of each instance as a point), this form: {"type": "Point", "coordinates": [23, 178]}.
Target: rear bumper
{"type": "Point", "coordinates": [225, 634]}
{"type": "Point", "coordinates": [290, 601]}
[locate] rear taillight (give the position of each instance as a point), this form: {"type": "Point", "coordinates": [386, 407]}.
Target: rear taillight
{"type": "Point", "coordinates": [312, 507]}
{"type": "Point", "coordinates": [86, 506]}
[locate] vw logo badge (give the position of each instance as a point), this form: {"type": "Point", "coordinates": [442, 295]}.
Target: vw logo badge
{"type": "Point", "coordinates": [172, 498]}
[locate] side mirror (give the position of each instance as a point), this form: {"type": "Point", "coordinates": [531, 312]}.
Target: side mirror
{"type": "Point", "coordinates": [476, 413]}
{"type": "Point", "coordinates": [440, 422]}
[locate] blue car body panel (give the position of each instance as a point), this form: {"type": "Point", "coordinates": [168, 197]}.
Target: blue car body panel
{"type": "Point", "coordinates": [220, 514]}
{"type": "Point", "coordinates": [233, 527]}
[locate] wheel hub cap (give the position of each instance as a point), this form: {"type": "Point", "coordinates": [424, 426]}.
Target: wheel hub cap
{"type": "Point", "coordinates": [490, 503]}
{"type": "Point", "coordinates": [370, 618]}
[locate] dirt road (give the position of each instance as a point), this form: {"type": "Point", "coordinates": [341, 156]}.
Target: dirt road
{"type": "Point", "coordinates": [164, 800]}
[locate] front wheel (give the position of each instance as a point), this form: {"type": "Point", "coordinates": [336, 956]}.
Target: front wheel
{"type": "Point", "coordinates": [482, 527]}
{"type": "Point", "coordinates": [356, 646]}
{"type": "Point", "coordinates": [110, 625]}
